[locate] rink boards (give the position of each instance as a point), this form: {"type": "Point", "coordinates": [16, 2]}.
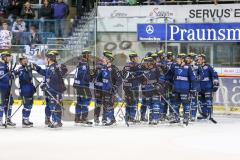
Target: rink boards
{"type": "Point", "coordinates": [70, 103]}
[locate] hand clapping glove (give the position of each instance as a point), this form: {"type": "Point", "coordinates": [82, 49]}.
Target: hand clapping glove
{"type": "Point", "coordinates": [11, 75]}
{"type": "Point", "coordinates": [44, 87]}
{"type": "Point", "coordinates": [216, 82]}
{"type": "Point", "coordinates": [157, 87]}
{"type": "Point", "coordinates": [215, 85]}
{"type": "Point", "coordinates": [114, 89]}
{"type": "Point", "coordinates": [33, 66]}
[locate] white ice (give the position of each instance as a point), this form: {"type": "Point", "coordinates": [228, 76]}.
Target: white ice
{"type": "Point", "coordinates": [198, 141]}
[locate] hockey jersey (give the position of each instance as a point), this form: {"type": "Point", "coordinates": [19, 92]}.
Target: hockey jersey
{"type": "Point", "coordinates": [208, 76]}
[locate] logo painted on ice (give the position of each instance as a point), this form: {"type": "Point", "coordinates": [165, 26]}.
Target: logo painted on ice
{"type": "Point", "coordinates": [149, 29]}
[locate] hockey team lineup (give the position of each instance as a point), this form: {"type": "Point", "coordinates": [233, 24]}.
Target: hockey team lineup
{"type": "Point", "coordinates": [170, 89]}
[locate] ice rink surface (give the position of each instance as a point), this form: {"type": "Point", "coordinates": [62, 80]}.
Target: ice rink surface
{"type": "Point", "coordinates": [199, 141]}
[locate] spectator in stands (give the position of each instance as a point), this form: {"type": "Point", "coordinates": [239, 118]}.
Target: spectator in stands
{"type": "Point", "coordinates": [80, 7]}
{"type": "Point", "coordinates": [18, 29]}
{"type": "Point", "coordinates": [34, 37]}
{"type": "Point", "coordinates": [5, 36]}
{"type": "Point", "coordinates": [4, 4]}
{"type": "Point", "coordinates": [14, 9]}
{"type": "Point", "coordinates": [60, 12]}
{"type": "Point", "coordinates": [84, 6]}
{"type": "Point", "coordinates": [27, 11]}
{"type": "Point", "coordinates": [46, 13]}
{"type": "Point", "coordinates": [19, 25]}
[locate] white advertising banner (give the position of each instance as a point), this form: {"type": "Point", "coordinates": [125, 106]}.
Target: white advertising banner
{"type": "Point", "coordinates": [126, 18]}
{"type": "Point", "coordinates": [228, 72]}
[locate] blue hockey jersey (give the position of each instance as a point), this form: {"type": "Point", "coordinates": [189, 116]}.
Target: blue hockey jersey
{"type": "Point", "coordinates": [53, 77]}
{"type": "Point", "coordinates": [27, 88]}
{"type": "Point", "coordinates": [4, 77]}
{"type": "Point", "coordinates": [208, 76]}
{"type": "Point", "coordinates": [182, 77]}
{"type": "Point", "coordinates": [82, 76]}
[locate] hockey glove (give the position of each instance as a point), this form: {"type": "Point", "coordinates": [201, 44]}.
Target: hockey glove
{"type": "Point", "coordinates": [44, 87]}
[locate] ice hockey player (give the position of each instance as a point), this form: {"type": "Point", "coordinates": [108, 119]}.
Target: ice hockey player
{"type": "Point", "coordinates": [209, 84]}
{"type": "Point", "coordinates": [48, 112]}
{"type": "Point", "coordinates": [82, 85]}
{"type": "Point", "coordinates": [53, 86]}
{"type": "Point", "coordinates": [170, 59]}
{"type": "Point", "coordinates": [110, 81]}
{"type": "Point", "coordinates": [190, 60]}
{"type": "Point", "coordinates": [143, 109]}
{"type": "Point", "coordinates": [6, 74]}
{"type": "Point", "coordinates": [182, 76]}
{"type": "Point", "coordinates": [161, 64]}
{"type": "Point", "coordinates": [98, 92]}
{"type": "Point", "coordinates": [150, 90]}
{"type": "Point", "coordinates": [131, 74]}
{"type": "Point", "coordinates": [161, 61]}
{"type": "Point", "coordinates": [169, 62]}
{"type": "Point", "coordinates": [27, 89]}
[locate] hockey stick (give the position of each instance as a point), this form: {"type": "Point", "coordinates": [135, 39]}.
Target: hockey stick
{"type": "Point", "coordinates": [120, 109]}
{"type": "Point", "coordinates": [210, 116]}
{"type": "Point", "coordinates": [200, 112]}
{"type": "Point", "coordinates": [22, 103]}
{"type": "Point", "coordinates": [49, 93]}
{"type": "Point", "coordinates": [191, 104]}
{"type": "Point", "coordinates": [10, 95]}
{"type": "Point", "coordinates": [16, 110]}
{"type": "Point", "coordinates": [58, 103]}
{"type": "Point", "coordinates": [168, 103]}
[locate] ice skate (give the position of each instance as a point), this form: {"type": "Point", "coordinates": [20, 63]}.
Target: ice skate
{"type": "Point", "coordinates": [96, 120]}
{"type": "Point", "coordinates": [186, 120]}
{"type": "Point", "coordinates": [153, 122]}
{"type": "Point", "coordinates": [55, 125]}
{"type": "Point", "coordinates": [27, 124]}
{"type": "Point", "coordinates": [47, 121]}
{"type": "Point", "coordinates": [85, 121]}
{"type": "Point", "coordinates": [2, 125]}
{"type": "Point", "coordinates": [143, 119]}
{"type": "Point", "coordinates": [78, 119]}
{"type": "Point", "coordinates": [110, 123]}
{"type": "Point", "coordinates": [10, 123]}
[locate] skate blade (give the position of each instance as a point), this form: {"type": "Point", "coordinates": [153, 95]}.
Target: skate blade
{"type": "Point", "coordinates": [133, 123]}
{"type": "Point", "coordinates": [83, 125]}
{"type": "Point", "coordinates": [2, 127]}
{"type": "Point", "coordinates": [8, 126]}
{"type": "Point", "coordinates": [24, 126]}
{"type": "Point", "coordinates": [176, 124]}
{"type": "Point", "coordinates": [96, 124]}
{"type": "Point", "coordinates": [110, 126]}
{"type": "Point", "coordinates": [55, 128]}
